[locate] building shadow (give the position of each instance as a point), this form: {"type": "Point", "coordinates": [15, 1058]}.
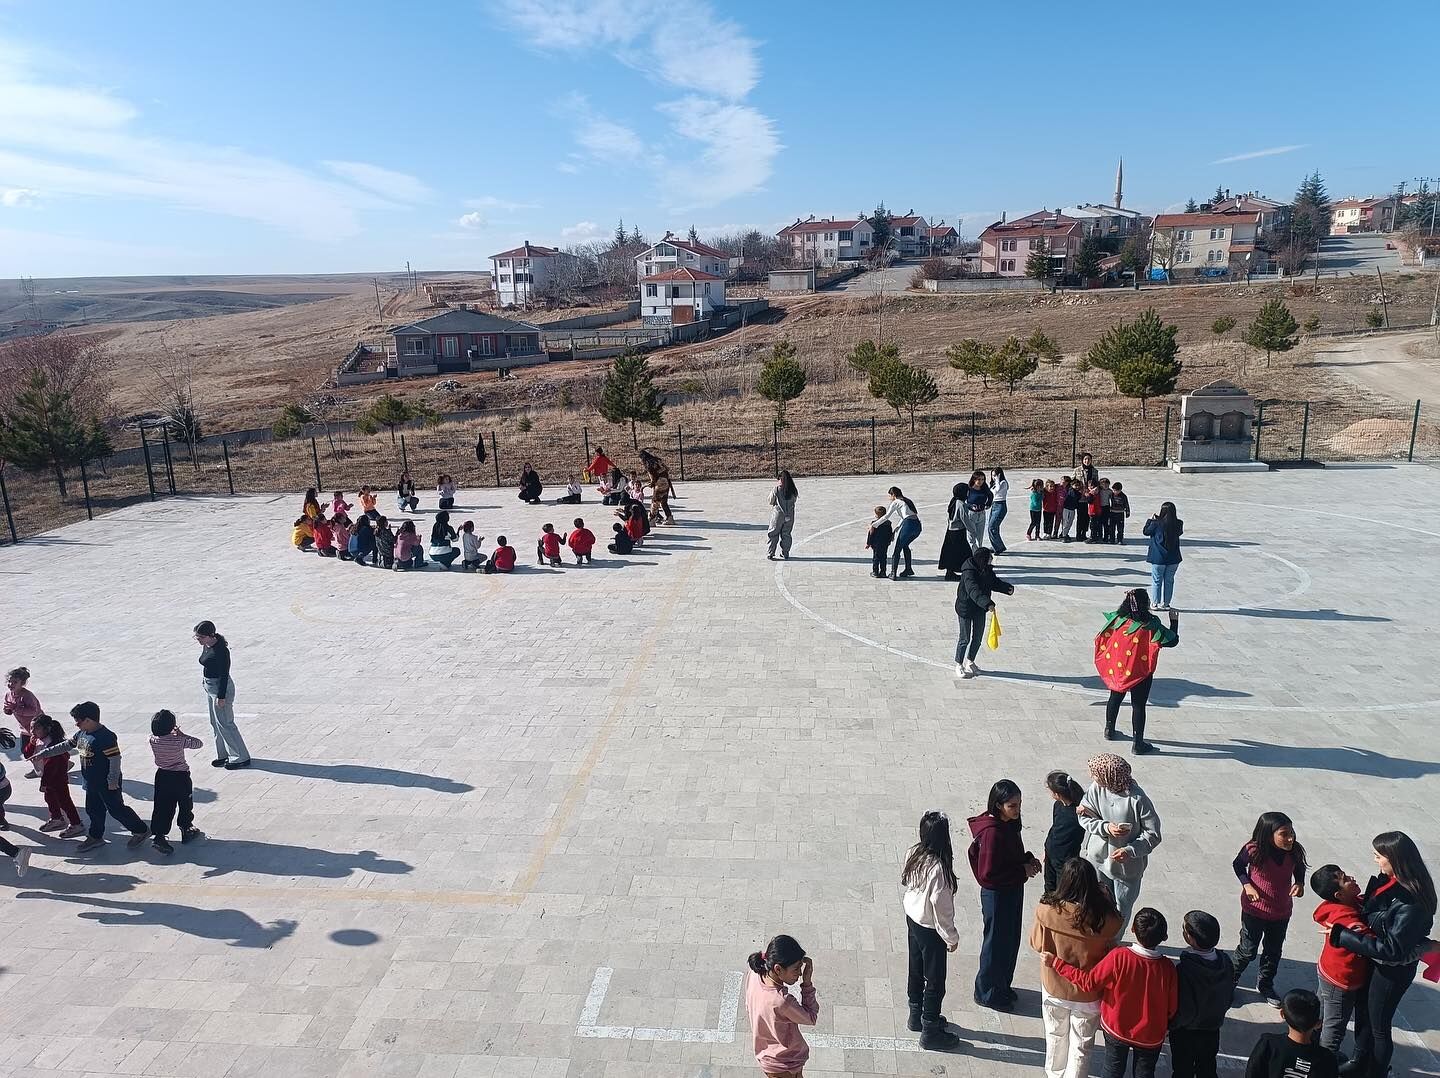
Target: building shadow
{"type": "Point", "coordinates": [1343, 759]}
{"type": "Point", "coordinates": [360, 774]}
{"type": "Point", "coordinates": [1291, 615]}
{"type": "Point", "coordinates": [233, 927]}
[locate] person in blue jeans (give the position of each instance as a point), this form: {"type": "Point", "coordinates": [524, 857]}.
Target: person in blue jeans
{"type": "Point", "coordinates": [905, 519]}
{"type": "Point", "coordinates": [1000, 486]}
{"type": "Point", "coordinates": [1164, 530]}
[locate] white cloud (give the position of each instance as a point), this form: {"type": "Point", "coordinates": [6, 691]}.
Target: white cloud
{"type": "Point", "coordinates": [568, 167]}
{"type": "Point", "coordinates": [471, 220]}
{"type": "Point", "coordinates": [1273, 151]}
{"type": "Point", "coordinates": [581, 230]}
{"type": "Point", "coordinates": [397, 186]}
{"type": "Point", "coordinates": [72, 140]}
{"type": "Point", "coordinates": [11, 197]}
{"type": "Point", "coordinates": [718, 147]}
{"type": "Point", "coordinates": [490, 202]}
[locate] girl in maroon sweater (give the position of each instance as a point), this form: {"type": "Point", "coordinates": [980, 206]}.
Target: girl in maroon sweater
{"type": "Point", "coordinates": [1001, 865]}
{"type": "Point", "coordinates": [1271, 870]}
{"type": "Point", "coordinates": [55, 779]}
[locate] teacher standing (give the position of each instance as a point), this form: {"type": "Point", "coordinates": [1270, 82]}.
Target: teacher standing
{"type": "Point", "coordinates": [1164, 530]}
{"type": "Point", "coordinates": [978, 499]}
{"type": "Point", "coordinates": [782, 516]}
{"type": "Point", "coordinates": [906, 521]}
{"type": "Point", "coordinates": [1000, 487]}
{"type": "Point", "coordinates": [230, 750]}
{"type": "Point", "coordinates": [955, 550]}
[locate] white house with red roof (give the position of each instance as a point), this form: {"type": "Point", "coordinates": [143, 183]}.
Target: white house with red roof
{"type": "Point", "coordinates": [1006, 246]}
{"type": "Point", "coordinates": [1362, 215]}
{"type": "Point", "coordinates": [910, 234]}
{"type": "Point", "coordinates": [943, 239]}
{"type": "Point", "coordinates": [1207, 244]}
{"type": "Point", "coordinates": [672, 253]}
{"type": "Point", "coordinates": [525, 274]}
{"type": "Point", "coordinates": [681, 295]}
{"type": "Point", "coordinates": [827, 240]}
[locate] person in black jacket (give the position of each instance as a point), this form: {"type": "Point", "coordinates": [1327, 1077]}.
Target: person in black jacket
{"type": "Point", "coordinates": [972, 604]}
{"type": "Point", "coordinates": [1206, 978]}
{"type": "Point", "coordinates": [1399, 907]}
{"type": "Point", "coordinates": [230, 750]}
{"type": "Point", "coordinates": [1066, 836]}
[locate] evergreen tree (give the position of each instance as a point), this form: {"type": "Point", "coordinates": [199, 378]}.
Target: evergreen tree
{"type": "Point", "coordinates": [884, 231]}
{"type": "Point", "coordinates": [620, 237]}
{"type": "Point", "coordinates": [1045, 349]}
{"type": "Point", "coordinates": [1273, 330]}
{"type": "Point", "coordinates": [1147, 335]}
{"type": "Point", "coordinates": [866, 354]}
{"type": "Point", "coordinates": [1191, 206]}
{"type": "Point", "coordinates": [629, 394]}
{"type": "Point", "coordinates": [972, 358]}
{"type": "Point", "coordinates": [1146, 376]}
{"type": "Point", "coordinates": [1222, 325]}
{"type": "Point", "coordinates": [637, 238]}
{"type": "Point", "coordinates": [693, 236]}
{"type": "Point", "coordinates": [1135, 255]}
{"type": "Point", "coordinates": [1310, 215]}
{"type": "Point", "coordinates": [388, 412]}
{"type": "Point", "coordinates": [1087, 261]}
{"type": "Point", "coordinates": [291, 421]}
{"type": "Point", "coordinates": [42, 430]}
{"type": "Point", "coordinates": [901, 385]}
{"type": "Point", "coordinates": [1218, 197]}
{"type": "Point", "coordinates": [782, 378]}
{"type": "Point", "coordinates": [1037, 266]}
{"type": "Point", "coordinates": [1013, 362]}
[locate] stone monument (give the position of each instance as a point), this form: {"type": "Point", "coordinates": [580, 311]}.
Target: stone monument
{"type": "Point", "coordinates": [1217, 430]}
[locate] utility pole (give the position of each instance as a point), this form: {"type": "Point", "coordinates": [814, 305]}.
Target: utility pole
{"type": "Point", "coordinates": [379, 310]}
{"type": "Point", "coordinates": [1399, 201]}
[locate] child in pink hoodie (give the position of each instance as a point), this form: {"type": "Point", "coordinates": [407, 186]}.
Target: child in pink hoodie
{"type": "Point", "coordinates": [775, 1015]}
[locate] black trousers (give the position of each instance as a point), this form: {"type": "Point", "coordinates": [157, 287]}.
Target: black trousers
{"type": "Point", "coordinates": [8, 848]}
{"type": "Point", "coordinates": [174, 790]}
{"type": "Point", "coordinates": [1139, 697]}
{"type": "Point", "coordinates": [926, 985]}
{"type": "Point", "coordinates": [1034, 524]}
{"type": "Point", "coordinates": [1082, 522]}
{"type": "Point", "coordinates": [1117, 524]}
{"type": "Point", "coordinates": [878, 556]}
{"type": "Point", "coordinates": [100, 800]}
{"type": "Point", "coordinates": [1268, 937]}
{"type": "Point", "coordinates": [1193, 1052]}
{"type": "Point", "coordinates": [1375, 1009]}
{"type": "Point", "coordinates": [1002, 909]}
{"type": "Point", "coordinates": [1048, 520]}
{"type": "Point", "coordinates": [1118, 1053]}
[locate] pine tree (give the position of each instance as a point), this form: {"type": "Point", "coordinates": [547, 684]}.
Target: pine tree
{"type": "Point", "coordinates": [1037, 266]}
{"type": "Point", "coordinates": [1013, 363]}
{"type": "Point", "coordinates": [880, 222]}
{"type": "Point", "coordinates": [291, 421]}
{"type": "Point", "coordinates": [1218, 197]}
{"type": "Point", "coordinates": [1087, 261]}
{"type": "Point", "coordinates": [1146, 376]}
{"type": "Point", "coordinates": [866, 354]}
{"type": "Point", "coordinates": [782, 378]}
{"type": "Point", "coordinates": [1273, 330]}
{"type": "Point", "coordinates": [620, 237]}
{"type": "Point", "coordinates": [1191, 206]}
{"type": "Point", "coordinates": [1045, 348]}
{"type": "Point", "coordinates": [1310, 215]}
{"type": "Point", "coordinates": [629, 394]}
{"type": "Point", "coordinates": [901, 385]}
{"type": "Point", "coordinates": [42, 430]}
{"type": "Point", "coordinates": [973, 359]}
{"type": "Point", "coordinates": [388, 412]}
{"type": "Point", "coordinates": [693, 236]}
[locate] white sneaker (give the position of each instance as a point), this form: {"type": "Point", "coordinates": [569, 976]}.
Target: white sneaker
{"type": "Point", "coordinates": [22, 861]}
{"type": "Point", "coordinates": [969, 670]}
{"type": "Point", "coordinates": [960, 670]}
{"type": "Point", "coordinates": [973, 668]}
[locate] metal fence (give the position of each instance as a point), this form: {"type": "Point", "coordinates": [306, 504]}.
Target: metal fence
{"type": "Point", "coordinates": [1287, 432]}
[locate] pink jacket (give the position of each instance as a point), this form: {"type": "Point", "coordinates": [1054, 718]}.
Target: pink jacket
{"type": "Point", "coordinates": [23, 705]}
{"type": "Point", "coordinates": [775, 1021]}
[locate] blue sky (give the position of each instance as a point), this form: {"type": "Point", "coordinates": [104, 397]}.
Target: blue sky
{"type": "Point", "coordinates": [327, 137]}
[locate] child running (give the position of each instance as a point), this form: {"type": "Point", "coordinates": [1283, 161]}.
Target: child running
{"type": "Point", "coordinates": [1294, 1055]}
{"type": "Point", "coordinates": [55, 779]}
{"type": "Point", "coordinates": [581, 542]}
{"type": "Point", "coordinates": [1342, 973]}
{"type": "Point", "coordinates": [547, 547]}
{"type": "Point", "coordinates": [775, 1015]}
{"type": "Point", "coordinates": [1206, 990]}
{"type": "Point", "coordinates": [1271, 870]}
{"type": "Point", "coordinates": [174, 789]}
{"type": "Point", "coordinates": [878, 538]}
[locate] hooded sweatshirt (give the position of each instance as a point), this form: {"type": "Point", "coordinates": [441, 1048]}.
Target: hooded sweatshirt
{"type": "Point", "coordinates": [1206, 988]}
{"type": "Point", "coordinates": [1344, 969]}
{"type": "Point", "coordinates": [1054, 931]}
{"type": "Point", "coordinates": [998, 857]}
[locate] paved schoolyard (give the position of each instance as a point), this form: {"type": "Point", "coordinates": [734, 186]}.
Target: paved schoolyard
{"type": "Point", "coordinates": [530, 827]}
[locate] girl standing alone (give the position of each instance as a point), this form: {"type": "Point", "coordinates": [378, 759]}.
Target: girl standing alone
{"type": "Point", "coordinates": [929, 882]}
{"type": "Point", "coordinates": [1271, 870]}
{"type": "Point", "coordinates": [782, 515]}
{"type": "Point", "coordinates": [775, 1015]}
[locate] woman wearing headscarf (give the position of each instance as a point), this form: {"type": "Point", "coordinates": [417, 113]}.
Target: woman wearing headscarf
{"type": "Point", "coordinates": [955, 550]}
{"type": "Point", "coordinates": [782, 515]}
{"type": "Point", "coordinates": [1122, 829]}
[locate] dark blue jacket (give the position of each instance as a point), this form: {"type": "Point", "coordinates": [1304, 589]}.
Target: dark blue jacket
{"type": "Point", "coordinates": [975, 500]}
{"type": "Point", "coordinates": [1164, 547]}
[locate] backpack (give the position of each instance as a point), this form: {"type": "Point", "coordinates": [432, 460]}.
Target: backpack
{"type": "Point", "coordinates": [1126, 653]}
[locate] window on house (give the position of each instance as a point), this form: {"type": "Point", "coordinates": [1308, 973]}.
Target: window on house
{"type": "Point", "coordinates": [847, 236]}
{"type": "Point", "coordinates": [522, 263]}
{"type": "Point", "coordinates": [1221, 232]}
{"type": "Point", "coordinates": [452, 347]}
{"type": "Point", "coordinates": [907, 231]}
{"type": "Point", "coordinates": [664, 249]}
{"type": "Point", "coordinates": [707, 289]}
{"type": "Point", "coordinates": [504, 262]}
{"type": "Point", "coordinates": [864, 241]}
{"type": "Point", "coordinates": [651, 290]}
{"type": "Point", "coordinates": [1212, 233]}
{"type": "Point", "coordinates": [689, 256]}
{"type": "Point", "coordinates": [1007, 265]}
{"type": "Point", "coordinates": [674, 291]}
{"type": "Point", "coordinates": [829, 236]}
{"type": "Point", "coordinates": [484, 345]}
{"type": "Point", "coordinates": [415, 346]}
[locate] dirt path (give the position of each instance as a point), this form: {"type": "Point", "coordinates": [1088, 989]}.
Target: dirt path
{"type": "Point", "coordinates": [1403, 367]}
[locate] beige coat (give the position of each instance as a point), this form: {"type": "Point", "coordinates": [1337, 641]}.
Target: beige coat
{"type": "Point", "coordinates": [1054, 931]}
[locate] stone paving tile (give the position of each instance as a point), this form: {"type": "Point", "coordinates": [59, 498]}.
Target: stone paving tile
{"type": "Point", "coordinates": [469, 792]}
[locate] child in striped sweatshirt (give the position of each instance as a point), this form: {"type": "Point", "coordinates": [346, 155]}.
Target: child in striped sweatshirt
{"type": "Point", "coordinates": [173, 786]}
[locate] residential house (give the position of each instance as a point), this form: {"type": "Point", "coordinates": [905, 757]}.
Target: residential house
{"type": "Point", "coordinates": [1207, 244]}
{"type": "Point", "coordinates": [1006, 246]}
{"type": "Point", "coordinates": [943, 239]}
{"type": "Point", "coordinates": [1274, 216]}
{"type": "Point", "coordinates": [1362, 215]}
{"type": "Point", "coordinates": [1106, 222]}
{"type": "Point", "coordinates": [828, 240]}
{"type": "Point", "coordinates": [910, 234]}
{"type": "Point", "coordinates": [680, 295]}
{"type": "Point", "coordinates": [672, 253]}
{"type": "Point", "coordinates": [464, 340]}
{"type": "Point", "coordinates": [526, 273]}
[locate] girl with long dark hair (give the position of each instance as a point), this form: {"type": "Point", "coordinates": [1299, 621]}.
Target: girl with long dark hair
{"type": "Point", "coordinates": [1164, 530]}
{"type": "Point", "coordinates": [1399, 907]}
{"type": "Point", "coordinates": [906, 520]}
{"type": "Point", "coordinates": [1066, 836]}
{"type": "Point", "coordinates": [978, 499]}
{"type": "Point", "coordinates": [929, 882]}
{"type": "Point", "coordinates": [1001, 865]}
{"type": "Point", "coordinates": [1076, 920]}
{"type": "Point", "coordinates": [1271, 871]}
{"type": "Point", "coordinates": [1000, 487]}
{"type": "Point", "coordinates": [782, 515]}
{"type": "Point", "coordinates": [775, 1015]}
{"type": "Point", "coordinates": [973, 604]}
{"type": "Point", "coordinates": [1135, 627]}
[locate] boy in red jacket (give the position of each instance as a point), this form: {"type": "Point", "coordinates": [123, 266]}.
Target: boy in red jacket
{"type": "Point", "coordinates": [1342, 972]}
{"type": "Point", "coordinates": [503, 559]}
{"type": "Point", "coordinates": [581, 541]}
{"type": "Point", "coordinates": [548, 546]}
{"type": "Point", "coordinates": [1139, 993]}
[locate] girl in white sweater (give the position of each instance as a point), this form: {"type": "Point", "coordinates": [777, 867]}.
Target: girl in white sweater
{"type": "Point", "coordinates": [929, 882]}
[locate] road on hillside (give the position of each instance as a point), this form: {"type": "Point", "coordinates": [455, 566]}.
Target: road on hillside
{"type": "Point", "coordinates": [1356, 255]}
{"type": "Point", "coordinates": [1403, 366]}
{"type": "Point", "coordinates": [895, 278]}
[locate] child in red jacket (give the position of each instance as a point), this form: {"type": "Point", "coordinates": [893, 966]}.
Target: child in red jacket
{"type": "Point", "coordinates": [581, 541]}
{"type": "Point", "coordinates": [55, 779]}
{"type": "Point", "coordinates": [1139, 994]}
{"type": "Point", "coordinates": [503, 559]}
{"type": "Point", "coordinates": [547, 548]}
{"type": "Point", "coordinates": [1342, 972]}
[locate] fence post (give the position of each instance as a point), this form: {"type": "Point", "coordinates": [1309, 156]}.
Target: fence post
{"type": "Point", "coordinates": [680, 440]}
{"type": "Point", "coordinates": [1259, 428]}
{"type": "Point", "coordinates": [85, 486]}
{"type": "Point", "coordinates": [872, 445]}
{"type": "Point", "coordinates": [229, 476]}
{"type": "Point", "coordinates": [169, 467]}
{"type": "Point", "coordinates": [585, 433]}
{"type": "Point", "coordinates": [1165, 440]}
{"type": "Point", "coordinates": [315, 459]}
{"type": "Point", "coordinates": [775, 443]}
{"type": "Point", "coordinates": [9, 517]}
{"type": "Point", "coordinates": [1304, 431]}
{"type": "Point", "coordinates": [1075, 434]}
{"type": "Point", "coordinates": [1414, 429]}
{"type": "Point", "coordinates": [495, 456]}
{"type": "Point", "coordinates": [149, 474]}
{"type": "Point", "coordinates": [404, 456]}
{"type": "Point", "coordinates": [972, 441]}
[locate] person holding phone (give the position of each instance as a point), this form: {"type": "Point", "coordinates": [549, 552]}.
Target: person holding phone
{"type": "Point", "coordinates": [1129, 645]}
{"type": "Point", "coordinates": [1122, 829]}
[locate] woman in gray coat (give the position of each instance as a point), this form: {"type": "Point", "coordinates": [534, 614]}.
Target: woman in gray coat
{"type": "Point", "coordinates": [1122, 829]}
{"type": "Point", "coordinates": [782, 515]}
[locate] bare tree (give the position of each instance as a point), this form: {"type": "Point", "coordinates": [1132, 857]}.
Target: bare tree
{"type": "Point", "coordinates": [326, 408]}
{"type": "Point", "coordinates": [1168, 249]}
{"type": "Point", "coordinates": [172, 372]}
{"type": "Point", "coordinates": [73, 363]}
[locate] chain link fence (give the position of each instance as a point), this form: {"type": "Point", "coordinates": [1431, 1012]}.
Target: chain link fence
{"type": "Point", "coordinates": [477, 455]}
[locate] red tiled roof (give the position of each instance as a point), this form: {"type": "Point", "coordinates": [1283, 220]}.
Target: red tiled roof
{"type": "Point", "coordinates": [686, 245]}
{"type": "Point", "coordinates": [1042, 223]}
{"type": "Point", "coordinates": [682, 274]}
{"type": "Point", "coordinates": [826, 225]}
{"type": "Point", "coordinates": [1201, 220]}
{"type": "Point", "coordinates": [527, 250]}
{"type": "Point", "coordinates": [943, 230]}
{"type": "Point", "coordinates": [905, 222]}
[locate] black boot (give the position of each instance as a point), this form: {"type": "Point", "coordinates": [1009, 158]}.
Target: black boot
{"type": "Point", "coordinates": [1110, 731]}
{"type": "Point", "coordinates": [936, 1038]}
{"type": "Point", "coordinates": [914, 1025]}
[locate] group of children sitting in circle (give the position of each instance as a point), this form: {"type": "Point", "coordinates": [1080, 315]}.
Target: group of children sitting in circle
{"type": "Point", "coordinates": [369, 539]}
